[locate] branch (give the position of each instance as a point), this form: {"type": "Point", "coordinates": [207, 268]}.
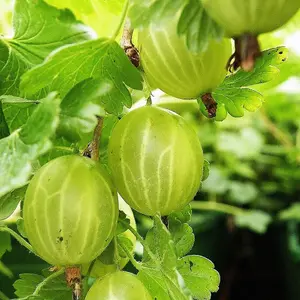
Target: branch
{"type": "Point", "coordinates": [127, 45]}
{"type": "Point", "coordinates": [220, 207]}
{"type": "Point", "coordinates": [92, 150]}
{"type": "Point", "coordinates": [277, 133]}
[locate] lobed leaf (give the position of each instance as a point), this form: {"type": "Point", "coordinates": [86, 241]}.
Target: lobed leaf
{"type": "Point", "coordinates": [55, 289]}
{"type": "Point", "coordinates": [158, 271]}
{"type": "Point", "coordinates": [254, 220]}
{"type": "Point", "coordinates": [20, 149]}
{"type": "Point", "coordinates": [291, 213]}
{"type": "Point", "coordinates": [197, 27]}
{"type": "Point", "coordinates": [233, 96]}
{"type": "Point", "coordinates": [199, 275]}
{"type": "Point", "coordinates": [101, 59]}
{"type": "Point", "coordinates": [9, 202]}
{"type": "Point", "coordinates": [181, 232]}
{"type": "Point", "coordinates": [33, 41]}
{"type": "Point", "coordinates": [143, 13]}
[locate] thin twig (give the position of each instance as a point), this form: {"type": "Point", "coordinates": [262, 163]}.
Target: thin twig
{"type": "Point", "coordinates": [92, 149]}
{"type": "Point", "coordinates": [278, 134]}
{"type": "Point", "coordinates": [127, 44]}
{"type": "Point", "coordinates": [220, 207]}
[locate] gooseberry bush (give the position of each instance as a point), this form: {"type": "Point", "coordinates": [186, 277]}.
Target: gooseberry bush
{"type": "Point", "coordinates": [84, 148]}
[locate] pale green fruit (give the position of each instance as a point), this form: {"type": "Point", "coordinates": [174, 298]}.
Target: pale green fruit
{"type": "Point", "coordinates": [118, 286]}
{"type": "Point", "coordinates": [170, 66]}
{"type": "Point", "coordinates": [240, 17]}
{"type": "Point", "coordinates": [105, 264]}
{"type": "Point", "coordinates": [70, 211]}
{"type": "Point", "coordinates": [156, 160]}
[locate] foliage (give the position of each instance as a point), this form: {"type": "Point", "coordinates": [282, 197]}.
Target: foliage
{"type": "Point", "coordinates": [58, 78]}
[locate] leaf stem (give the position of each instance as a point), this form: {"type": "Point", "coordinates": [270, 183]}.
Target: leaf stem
{"type": "Point", "coordinates": [139, 238]}
{"type": "Point", "coordinates": [18, 238]}
{"type": "Point", "coordinates": [220, 207]}
{"type": "Point", "coordinates": [3, 296]}
{"type": "Point", "coordinates": [123, 16]}
{"type": "Point", "coordinates": [136, 264]}
{"type": "Point", "coordinates": [44, 282]}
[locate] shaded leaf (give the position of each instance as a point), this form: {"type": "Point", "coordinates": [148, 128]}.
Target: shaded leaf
{"type": "Point", "coordinates": [197, 27]}
{"type": "Point", "coordinates": [19, 150]}
{"type": "Point", "coordinates": [5, 243]}
{"type": "Point", "coordinates": [9, 202]}
{"type": "Point", "coordinates": [291, 213]}
{"type": "Point", "coordinates": [142, 13]}
{"type": "Point", "coordinates": [80, 107]}
{"type": "Point", "coordinates": [254, 220]}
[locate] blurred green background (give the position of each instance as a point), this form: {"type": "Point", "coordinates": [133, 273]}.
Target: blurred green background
{"type": "Point", "coordinates": [246, 218]}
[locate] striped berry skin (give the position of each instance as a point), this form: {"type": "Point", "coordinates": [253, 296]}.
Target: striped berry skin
{"type": "Point", "coordinates": [251, 16]}
{"type": "Point", "coordinates": [171, 67]}
{"type": "Point", "coordinates": [156, 160]}
{"type": "Point", "coordinates": [70, 211]}
{"type": "Point", "coordinates": [104, 264]}
{"type": "Point", "coordinates": [118, 285]}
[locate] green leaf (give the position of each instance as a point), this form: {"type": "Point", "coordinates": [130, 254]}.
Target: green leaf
{"type": "Point", "coordinates": [265, 69]}
{"type": "Point", "coordinates": [199, 275]}
{"type": "Point", "coordinates": [181, 231]}
{"type": "Point", "coordinates": [60, 147]}
{"type": "Point", "coordinates": [233, 95]}
{"type": "Point", "coordinates": [142, 13]}
{"type": "Point", "coordinates": [17, 110]}
{"type": "Point", "coordinates": [108, 126]}
{"type": "Point", "coordinates": [81, 106]}
{"type": "Point", "coordinates": [120, 226]}
{"type": "Point", "coordinates": [55, 289]}
{"type": "Point", "coordinates": [235, 100]}
{"type": "Point", "coordinates": [9, 202]}
{"type": "Point", "coordinates": [33, 41]}
{"type": "Point", "coordinates": [124, 242]}
{"type": "Point", "coordinates": [158, 271]}
{"type": "Point", "coordinates": [206, 168]}
{"type": "Point", "coordinates": [4, 131]}
{"type": "Point", "coordinates": [5, 243]}
{"type": "Point", "coordinates": [21, 227]}
{"type": "Point", "coordinates": [19, 150]}
{"type": "Point", "coordinates": [197, 27]}
{"type": "Point", "coordinates": [254, 220]}
{"type": "Point", "coordinates": [291, 213]}
{"type": "Point", "coordinates": [88, 6]}
{"type": "Point", "coordinates": [103, 59]}
{"type": "Point", "coordinates": [242, 192]}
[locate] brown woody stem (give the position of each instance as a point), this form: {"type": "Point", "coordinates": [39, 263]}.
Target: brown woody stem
{"type": "Point", "coordinates": [126, 43]}
{"type": "Point", "coordinates": [92, 150]}
{"type": "Point", "coordinates": [247, 49]}
{"type": "Point", "coordinates": [210, 104]}
{"type": "Point", "coordinates": [73, 279]}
